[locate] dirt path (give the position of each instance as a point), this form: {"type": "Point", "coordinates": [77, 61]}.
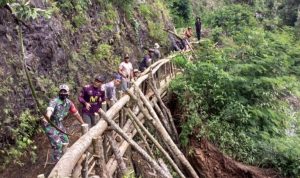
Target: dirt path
{"type": "Point", "coordinates": [30, 169]}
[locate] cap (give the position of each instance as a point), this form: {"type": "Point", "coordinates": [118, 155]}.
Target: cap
{"type": "Point", "coordinates": [100, 78]}
{"type": "Point", "coordinates": [118, 77]}
{"type": "Point", "coordinates": [126, 56]}
{"type": "Point", "coordinates": [151, 50]}
{"type": "Point", "coordinates": [64, 87]}
{"type": "Point", "coordinates": [156, 45]}
{"type": "Point", "coordinates": [136, 70]}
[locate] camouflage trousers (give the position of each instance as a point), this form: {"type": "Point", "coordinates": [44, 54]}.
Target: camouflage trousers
{"type": "Point", "coordinates": [56, 138]}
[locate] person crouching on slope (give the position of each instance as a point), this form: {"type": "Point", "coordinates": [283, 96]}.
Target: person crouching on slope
{"type": "Point", "coordinates": [91, 97]}
{"type": "Point", "coordinates": [57, 110]}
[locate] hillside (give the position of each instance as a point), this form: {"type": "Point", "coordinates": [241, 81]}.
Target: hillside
{"type": "Point", "coordinates": [69, 42]}
{"type": "Point", "coordinates": [235, 103]}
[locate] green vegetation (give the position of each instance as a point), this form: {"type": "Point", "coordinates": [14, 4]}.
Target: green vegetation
{"type": "Point", "coordinates": [237, 92]}
{"type": "Point", "coordinates": [24, 11]}
{"type": "Point", "coordinates": [23, 134]}
{"type": "Point", "coordinates": [180, 11]}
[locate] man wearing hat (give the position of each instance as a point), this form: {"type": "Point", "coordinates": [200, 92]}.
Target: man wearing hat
{"type": "Point", "coordinates": [57, 110]}
{"type": "Point", "coordinates": [110, 90]}
{"type": "Point", "coordinates": [91, 97]}
{"type": "Point", "coordinates": [136, 74]}
{"type": "Point", "coordinates": [126, 71]}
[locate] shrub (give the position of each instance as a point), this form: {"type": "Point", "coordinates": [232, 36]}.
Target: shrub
{"type": "Point", "coordinates": [231, 19]}
{"type": "Point", "coordinates": [234, 95]}
{"type": "Point", "coordinates": [23, 140]}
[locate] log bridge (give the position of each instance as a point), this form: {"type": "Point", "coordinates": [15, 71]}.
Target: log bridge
{"type": "Point", "coordinates": [99, 151]}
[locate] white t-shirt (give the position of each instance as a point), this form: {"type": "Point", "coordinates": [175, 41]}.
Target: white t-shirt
{"type": "Point", "coordinates": [126, 68]}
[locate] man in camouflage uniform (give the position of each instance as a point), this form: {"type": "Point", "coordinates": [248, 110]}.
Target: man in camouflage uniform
{"type": "Point", "coordinates": [57, 110]}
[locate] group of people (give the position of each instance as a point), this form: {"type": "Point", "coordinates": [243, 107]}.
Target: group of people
{"type": "Point", "coordinates": [91, 97]}
{"type": "Point", "coordinates": [183, 44]}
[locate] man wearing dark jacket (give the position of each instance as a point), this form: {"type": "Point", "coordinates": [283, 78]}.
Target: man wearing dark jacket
{"type": "Point", "coordinates": [91, 97]}
{"type": "Point", "coordinates": [198, 27]}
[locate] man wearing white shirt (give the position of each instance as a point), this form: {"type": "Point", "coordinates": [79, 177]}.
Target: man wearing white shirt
{"type": "Point", "coordinates": [126, 71]}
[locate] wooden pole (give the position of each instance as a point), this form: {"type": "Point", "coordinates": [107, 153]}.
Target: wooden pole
{"type": "Point", "coordinates": [118, 156]}
{"type": "Point", "coordinates": [164, 166]}
{"type": "Point", "coordinates": [165, 109]}
{"type": "Point", "coordinates": [141, 135]}
{"type": "Point", "coordinates": [163, 118]}
{"type": "Point", "coordinates": [155, 142]}
{"type": "Point", "coordinates": [78, 167]}
{"type": "Point", "coordinates": [166, 74]}
{"type": "Point", "coordinates": [66, 164]}
{"type": "Point", "coordinates": [166, 137]}
{"type": "Point", "coordinates": [100, 167]}
{"type": "Point", "coordinates": [121, 113]}
{"type": "Point", "coordinates": [84, 171]}
{"type": "Point", "coordinates": [150, 118]}
{"type": "Point", "coordinates": [141, 151]}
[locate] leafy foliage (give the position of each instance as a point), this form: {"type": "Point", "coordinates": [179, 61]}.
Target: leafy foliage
{"type": "Point", "coordinates": [236, 95]}
{"type": "Point", "coordinates": [25, 11]}
{"type": "Point", "coordinates": [231, 19]}
{"type": "Point", "coordinates": [23, 140]}
{"type": "Point", "coordinates": [181, 11]}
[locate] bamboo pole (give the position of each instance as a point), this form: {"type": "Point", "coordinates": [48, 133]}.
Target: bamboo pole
{"type": "Point", "coordinates": [163, 118]}
{"type": "Point", "coordinates": [100, 167]}
{"type": "Point", "coordinates": [141, 151]}
{"type": "Point", "coordinates": [141, 135]}
{"type": "Point", "coordinates": [118, 156]}
{"type": "Point", "coordinates": [150, 118]}
{"type": "Point", "coordinates": [84, 171]}
{"type": "Point", "coordinates": [155, 142]}
{"type": "Point", "coordinates": [164, 166]}
{"type": "Point", "coordinates": [165, 108]}
{"type": "Point", "coordinates": [121, 113]}
{"type": "Point", "coordinates": [78, 167]}
{"type": "Point", "coordinates": [166, 137]}
{"type": "Point", "coordinates": [91, 167]}
{"type": "Point", "coordinates": [66, 164]}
